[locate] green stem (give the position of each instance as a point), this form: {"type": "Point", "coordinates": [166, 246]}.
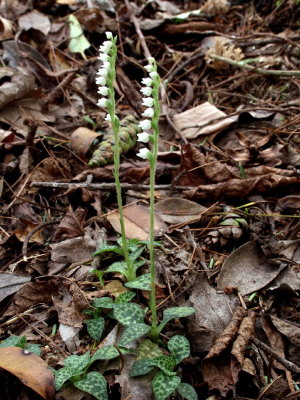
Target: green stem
{"type": "Point", "coordinates": [116, 131]}
{"type": "Point", "coordinates": [154, 332]}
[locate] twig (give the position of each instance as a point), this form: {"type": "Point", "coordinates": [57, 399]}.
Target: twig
{"type": "Point", "coordinates": [240, 64]}
{"type": "Point", "coordinates": [287, 364]}
{"type": "Point", "coordinates": [103, 186]}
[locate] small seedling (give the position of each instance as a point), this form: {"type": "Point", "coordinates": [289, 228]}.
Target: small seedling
{"type": "Point", "coordinates": [21, 341]}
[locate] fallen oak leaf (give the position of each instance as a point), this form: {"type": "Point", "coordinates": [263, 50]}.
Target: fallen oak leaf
{"type": "Point", "coordinates": [30, 369]}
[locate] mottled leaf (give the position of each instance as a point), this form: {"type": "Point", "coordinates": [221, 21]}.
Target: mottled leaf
{"type": "Point", "coordinates": [133, 332]}
{"type": "Point", "coordinates": [187, 391]}
{"type": "Point", "coordinates": [34, 348]}
{"type": "Point", "coordinates": [119, 266]}
{"type": "Point", "coordinates": [143, 282]}
{"type": "Point", "coordinates": [141, 367]}
{"type": "Point", "coordinates": [105, 353]}
{"type": "Point", "coordinates": [62, 376]}
{"type": "Point", "coordinates": [95, 327]}
{"type": "Point", "coordinates": [163, 385]}
{"type": "Point", "coordinates": [77, 364]}
{"type": "Point", "coordinates": [166, 364]}
{"type": "Point", "coordinates": [14, 340]}
{"type": "Point", "coordinates": [128, 313]}
{"type": "Point", "coordinates": [106, 248]}
{"type": "Point", "coordinates": [95, 384]}
{"type": "Point", "coordinates": [179, 347]}
{"type": "Point", "coordinates": [103, 302]}
{"type": "Point", "coordinates": [125, 297]}
{"type": "Point", "coordinates": [148, 349]}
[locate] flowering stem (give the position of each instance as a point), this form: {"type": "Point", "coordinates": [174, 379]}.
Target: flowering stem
{"type": "Point", "coordinates": [153, 159]}
{"type": "Point", "coordinates": [111, 106]}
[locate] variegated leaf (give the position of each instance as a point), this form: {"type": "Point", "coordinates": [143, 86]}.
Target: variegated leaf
{"type": "Point", "coordinates": [95, 384]}
{"type": "Point", "coordinates": [179, 347]}
{"type": "Point", "coordinates": [163, 385]}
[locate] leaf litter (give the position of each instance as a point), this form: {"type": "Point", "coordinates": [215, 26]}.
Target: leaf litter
{"type": "Point", "coordinates": [227, 189]}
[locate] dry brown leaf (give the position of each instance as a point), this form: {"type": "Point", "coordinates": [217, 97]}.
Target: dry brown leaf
{"type": "Point", "coordinates": [215, 7]}
{"type": "Point", "coordinates": [245, 331]}
{"type": "Point", "coordinates": [71, 225]}
{"type": "Point", "coordinates": [217, 373]}
{"type": "Point", "coordinates": [30, 369]}
{"type": "Point", "coordinates": [213, 314]}
{"type": "Point", "coordinates": [290, 330]}
{"type": "Point", "coordinates": [247, 270]}
{"type": "Point", "coordinates": [200, 116]}
{"type": "Point", "coordinates": [35, 20]}
{"type": "Point", "coordinates": [137, 222]}
{"type": "Point", "coordinates": [37, 237]}
{"type": "Point", "coordinates": [82, 139]}
{"type": "Point", "coordinates": [115, 288]}
{"type": "Point", "coordinates": [229, 333]}
{"type": "Point", "coordinates": [175, 210]}
{"type": "Point", "coordinates": [275, 338]}
{"type": "Point", "coordinates": [6, 29]}
{"type": "Point", "coordinates": [10, 283]}
{"type": "Point", "coordinates": [241, 188]}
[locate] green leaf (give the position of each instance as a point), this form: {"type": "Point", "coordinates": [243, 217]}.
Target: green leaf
{"type": "Point", "coordinates": [135, 254]}
{"type": "Point", "coordinates": [34, 348]}
{"type": "Point", "coordinates": [128, 313]}
{"type": "Point", "coordinates": [143, 282]}
{"type": "Point", "coordinates": [187, 391]}
{"type": "Point", "coordinates": [112, 249]}
{"type": "Point", "coordinates": [137, 264]}
{"type": "Point", "coordinates": [62, 376]}
{"type": "Point", "coordinates": [163, 385]}
{"type": "Point", "coordinates": [95, 384]}
{"type": "Point", "coordinates": [125, 297]}
{"type": "Point", "coordinates": [148, 349]}
{"type": "Point", "coordinates": [177, 312]}
{"type": "Point", "coordinates": [119, 266]}
{"type": "Point", "coordinates": [133, 332]}
{"type": "Point", "coordinates": [103, 302]}
{"type": "Point", "coordinates": [141, 367]}
{"type": "Point", "coordinates": [105, 353]}
{"type": "Point", "coordinates": [179, 347]}
{"type": "Point", "coordinates": [77, 364]}
{"type": "Point", "coordinates": [78, 42]}
{"type": "Point", "coordinates": [166, 364]}
{"type": "Point", "coordinates": [95, 327]}
{"type": "Point", "coordinates": [14, 341]}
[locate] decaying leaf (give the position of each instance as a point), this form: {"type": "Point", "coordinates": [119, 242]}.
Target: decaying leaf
{"type": "Point", "coordinates": [200, 121]}
{"type": "Point", "coordinates": [137, 222]}
{"type": "Point", "coordinates": [247, 270]}
{"type": "Point", "coordinates": [30, 369]}
{"type": "Point", "coordinates": [245, 331]}
{"type": "Point", "coordinates": [206, 327]}
{"type": "Point", "coordinates": [35, 20]}
{"type": "Point", "coordinates": [71, 224]}
{"type": "Point", "coordinates": [10, 283]}
{"type": "Point", "coordinates": [78, 42]}
{"type": "Point", "coordinates": [228, 334]}
{"type": "Point", "coordinates": [175, 210]}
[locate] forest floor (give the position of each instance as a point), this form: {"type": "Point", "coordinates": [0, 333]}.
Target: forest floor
{"type": "Point", "coordinates": [227, 201]}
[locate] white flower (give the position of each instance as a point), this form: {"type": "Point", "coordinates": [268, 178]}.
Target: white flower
{"type": "Point", "coordinates": [151, 60]}
{"type": "Point", "coordinates": [101, 80]}
{"type": "Point", "coordinates": [107, 118]}
{"type": "Point", "coordinates": [103, 90]}
{"type": "Point", "coordinates": [145, 124]}
{"type": "Point", "coordinates": [143, 153]}
{"type": "Point", "coordinates": [147, 81]}
{"type": "Point", "coordinates": [143, 137]}
{"type": "Point", "coordinates": [149, 68]}
{"type": "Point", "coordinates": [102, 102]}
{"type": "Point", "coordinates": [106, 65]}
{"type": "Point", "coordinates": [148, 102]}
{"type": "Point", "coordinates": [147, 91]}
{"type": "Point", "coordinates": [106, 46]}
{"type": "Point", "coordinates": [102, 72]}
{"type": "Point", "coordinates": [153, 75]}
{"type": "Point", "coordinates": [104, 57]}
{"type": "Point", "coordinates": [109, 35]}
{"type": "Point", "coordinates": [149, 112]}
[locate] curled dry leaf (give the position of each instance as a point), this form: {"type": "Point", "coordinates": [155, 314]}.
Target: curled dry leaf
{"type": "Point", "coordinates": [245, 331]}
{"type": "Point", "coordinates": [71, 225]}
{"type": "Point", "coordinates": [229, 333]}
{"type": "Point", "coordinates": [10, 283]}
{"type": "Point", "coordinates": [175, 210]}
{"type": "Point", "coordinates": [137, 222]}
{"type": "Point", "coordinates": [30, 369]}
{"type": "Point", "coordinates": [82, 139]}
